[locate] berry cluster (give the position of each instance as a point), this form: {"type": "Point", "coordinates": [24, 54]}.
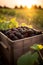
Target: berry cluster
{"type": "Point", "coordinates": [20, 33]}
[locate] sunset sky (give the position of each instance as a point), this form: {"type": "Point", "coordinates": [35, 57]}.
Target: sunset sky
{"type": "Point", "coordinates": [28, 3]}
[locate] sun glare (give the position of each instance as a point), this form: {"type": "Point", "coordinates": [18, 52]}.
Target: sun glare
{"type": "Point", "coordinates": [29, 6]}
{"type": "Point", "coordinates": [27, 3]}
{"type": "Point", "coordinates": [30, 3]}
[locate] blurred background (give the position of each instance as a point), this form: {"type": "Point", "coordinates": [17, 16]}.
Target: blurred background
{"type": "Point", "coordinates": [26, 12]}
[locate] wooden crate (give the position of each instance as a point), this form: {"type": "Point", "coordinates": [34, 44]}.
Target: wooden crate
{"type": "Point", "coordinates": [12, 50]}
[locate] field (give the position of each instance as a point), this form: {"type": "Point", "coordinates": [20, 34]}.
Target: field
{"type": "Point", "coordinates": [32, 17]}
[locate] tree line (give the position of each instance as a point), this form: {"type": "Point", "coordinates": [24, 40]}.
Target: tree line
{"type": "Point", "coordinates": [21, 7]}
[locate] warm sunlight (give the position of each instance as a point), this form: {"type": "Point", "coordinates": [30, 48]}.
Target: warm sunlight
{"type": "Point", "coordinates": [28, 3]}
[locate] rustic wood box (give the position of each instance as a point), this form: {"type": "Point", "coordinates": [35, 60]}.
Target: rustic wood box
{"type": "Point", "coordinates": [12, 50]}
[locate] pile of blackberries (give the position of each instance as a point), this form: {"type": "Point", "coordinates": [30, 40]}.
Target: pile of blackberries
{"type": "Point", "coordinates": [20, 33]}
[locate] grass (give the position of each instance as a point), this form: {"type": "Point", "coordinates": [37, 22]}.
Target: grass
{"type": "Point", "coordinates": [31, 17]}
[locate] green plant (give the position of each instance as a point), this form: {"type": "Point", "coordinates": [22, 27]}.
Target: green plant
{"type": "Point", "coordinates": [38, 48]}
{"type": "Point", "coordinates": [31, 58]}
{"type": "Point", "coordinates": [4, 25]}
{"type": "Point", "coordinates": [28, 59]}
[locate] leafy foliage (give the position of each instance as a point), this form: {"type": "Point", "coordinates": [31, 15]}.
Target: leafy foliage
{"type": "Point", "coordinates": [37, 47]}
{"type": "Point", "coordinates": [8, 24]}
{"type": "Point", "coordinates": [28, 59]}
{"type": "Point", "coordinates": [31, 58]}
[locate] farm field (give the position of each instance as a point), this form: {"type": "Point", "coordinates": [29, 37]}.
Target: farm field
{"type": "Point", "coordinates": [32, 17]}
